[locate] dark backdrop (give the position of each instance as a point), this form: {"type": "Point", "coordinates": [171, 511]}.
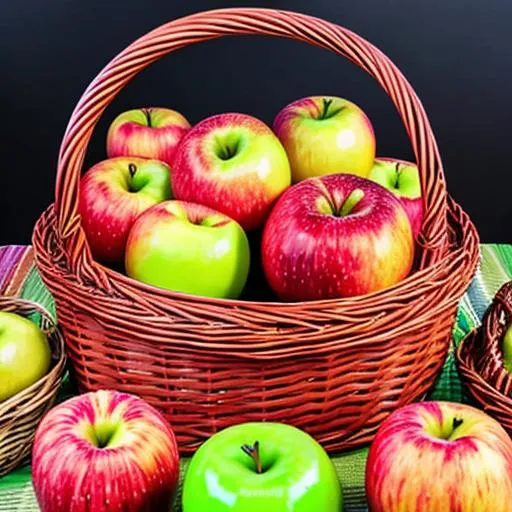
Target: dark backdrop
{"type": "Point", "coordinates": [456, 53]}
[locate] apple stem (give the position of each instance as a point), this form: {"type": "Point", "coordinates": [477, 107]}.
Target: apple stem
{"type": "Point", "coordinates": [254, 453]}
{"type": "Point", "coordinates": [327, 104]}
{"type": "Point", "coordinates": [457, 422]}
{"type": "Point", "coordinates": [132, 168]}
{"type": "Point", "coordinates": [147, 113]}
{"type": "Point", "coordinates": [353, 198]}
{"type": "Point", "coordinates": [397, 169]}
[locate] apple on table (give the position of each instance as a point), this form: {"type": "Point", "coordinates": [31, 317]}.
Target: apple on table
{"type": "Point", "coordinates": [255, 467]}
{"type": "Point", "coordinates": [440, 456]}
{"type": "Point", "coordinates": [189, 248]}
{"type": "Point", "coordinates": [25, 354]}
{"type": "Point", "coordinates": [234, 164]}
{"type": "Point", "coordinates": [113, 193]}
{"type": "Point", "coordinates": [326, 135]}
{"type": "Point", "coordinates": [105, 451]}
{"type": "Point", "coordinates": [403, 179]}
{"type": "Point", "coordinates": [147, 132]}
{"type": "Point", "coordinates": [336, 236]}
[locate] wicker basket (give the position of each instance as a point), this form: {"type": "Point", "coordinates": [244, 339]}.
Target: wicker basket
{"type": "Point", "coordinates": [20, 414]}
{"type": "Point", "coordinates": [480, 360]}
{"type": "Point", "coordinates": [335, 368]}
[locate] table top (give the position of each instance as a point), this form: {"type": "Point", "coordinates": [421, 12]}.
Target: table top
{"type": "Point", "coordinates": [18, 276]}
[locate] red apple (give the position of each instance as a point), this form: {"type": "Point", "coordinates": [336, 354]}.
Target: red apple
{"type": "Point", "coordinates": [336, 236]}
{"type": "Point", "coordinates": [147, 132]}
{"type": "Point", "coordinates": [326, 135]}
{"type": "Point", "coordinates": [439, 457]}
{"type": "Point", "coordinates": [104, 451]}
{"type": "Point", "coordinates": [403, 179]}
{"type": "Point", "coordinates": [113, 194]}
{"type": "Point", "coordinates": [234, 164]}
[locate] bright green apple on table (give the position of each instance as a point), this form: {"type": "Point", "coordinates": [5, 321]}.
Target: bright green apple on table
{"type": "Point", "coordinates": [25, 354]}
{"type": "Point", "coordinates": [261, 467]}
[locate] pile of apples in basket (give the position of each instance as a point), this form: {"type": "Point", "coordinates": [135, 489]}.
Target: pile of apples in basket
{"type": "Point", "coordinates": [172, 206]}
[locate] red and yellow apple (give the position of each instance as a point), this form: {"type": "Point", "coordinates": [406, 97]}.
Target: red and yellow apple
{"type": "Point", "coordinates": [234, 164]}
{"type": "Point", "coordinates": [104, 451]}
{"type": "Point", "coordinates": [403, 179]}
{"type": "Point", "coordinates": [113, 194]}
{"type": "Point", "coordinates": [326, 135]}
{"type": "Point", "coordinates": [189, 248]}
{"type": "Point", "coordinates": [147, 132]}
{"type": "Point", "coordinates": [336, 236]}
{"type": "Point", "coordinates": [25, 354]}
{"type": "Point", "coordinates": [439, 456]}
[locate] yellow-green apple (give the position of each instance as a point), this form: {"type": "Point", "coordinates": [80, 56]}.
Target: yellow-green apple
{"type": "Point", "coordinates": [507, 349]}
{"type": "Point", "coordinates": [189, 248]}
{"type": "Point", "coordinates": [25, 354]}
{"type": "Point", "coordinates": [113, 194]}
{"type": "Point", "coordinates": [403, 179]}
{"type": "Point", "coordinates": [254, 467]}
{"type": "Point", "coordinates": [104, 451]}
{"type": "Point", "coordinates": [439, 456]}
{"type": "Point", "coordinates": [326, 135]}
{"type": "Point", "coordinates": [234, 164]}
{"type": "Point", "coordinates": [147, 132]}
{"type": "Point", "coordinates": [336, 236]}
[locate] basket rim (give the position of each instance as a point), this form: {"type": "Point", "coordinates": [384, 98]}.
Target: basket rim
{"type": "Point", "coordinates": [373, 297]}
{"type": "Point", "coordinates": [466, 360]}
{"type": "Point", "coordinates": [27, 396]}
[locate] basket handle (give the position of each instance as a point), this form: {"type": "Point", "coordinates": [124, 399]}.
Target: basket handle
{"type": "Point", "coordinates": [239, 21]}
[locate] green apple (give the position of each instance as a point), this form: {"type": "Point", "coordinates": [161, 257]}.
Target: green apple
{"type": "Point", "coordinates": [326, 135]}
{"type": "Point", "coordinates": [403, 179]}
{"type": "Point", "coordinates": [25, 354]}
{"type": "Point", "coordinates": [189, 248]}
{"type": "Point", "coordinates": [507, 349]}
{"type": "Point", "coordinates": [255, 467]}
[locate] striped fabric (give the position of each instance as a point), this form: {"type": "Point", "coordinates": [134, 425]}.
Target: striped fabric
{"type": "Point", "coordinates": [19, 277]}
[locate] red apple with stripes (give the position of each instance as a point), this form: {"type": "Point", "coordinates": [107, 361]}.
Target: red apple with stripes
{"type": "Point", "coordinates": [113, 193]}
{"type": "Point", "coordinates": [403, 179]}
{"type": "Point", "coordinates": [234, 164]}
{"type": "Point", "coordinates": [336, 236]}
{"type": "Point", "coordinates": [104, 451]}
{"type": "Point", "coordinates": [439, 456]}
{"type": "Point", "coordinates": [147, 132]}
{"type": "Point", "coordinates": [326, 135]}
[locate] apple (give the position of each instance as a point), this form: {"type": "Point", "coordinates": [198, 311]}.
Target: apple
{"type": "Point", "coordinates": [326, 135]}
{"type": "Point", "coordinates": [403, 179]}
{"type": "Point", "coordinates": [439, 456]}
{"type": "Point", "coordinates": [254, 467]}
{"type": "Point", "coordinates": [113, 194]}
{"type": "Point", "coordinates": [188, 248]}
{"type": "Point", "coordinates": [104, 451]}
{"type": "Point", "coordinates": [336, 236]}
{"type": "Point", "coordinates": [147, 132]}
{"type": "Point", "coordinates": [25, 354]}
{"type": "Point", "coordinates": [507, 349]}
{"type": "Point", "coordinates": [234, 164]}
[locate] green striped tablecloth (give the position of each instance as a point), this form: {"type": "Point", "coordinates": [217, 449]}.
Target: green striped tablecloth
{"type": "Point", "coordinates": [19, 277]}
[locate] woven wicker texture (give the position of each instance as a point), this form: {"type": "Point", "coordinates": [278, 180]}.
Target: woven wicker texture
{"type": "Point", "coordinates": [20, 414]}
{"type": "Point", "coordinates": [480, 360]}
{"type": "Point", "coordinates": [335, 368]}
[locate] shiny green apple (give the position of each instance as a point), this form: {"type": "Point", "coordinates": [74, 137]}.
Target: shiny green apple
{"type": "Point", "coordinates": [507, 349]}
{"type": "Point", "coordinates": [188, 248]}
{"type": "Point", "coordinates": [25, 355]}
{"type": "Point", "coordinates": [261, 467]}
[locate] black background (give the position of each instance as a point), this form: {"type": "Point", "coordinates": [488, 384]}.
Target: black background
{"type": "Point", "coordinates": [456, 54]}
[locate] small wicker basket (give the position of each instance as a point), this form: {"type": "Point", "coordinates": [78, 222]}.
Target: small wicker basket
{"type": "Point", "coordinates": [480, 360]}
{"type": "Point", "coordinates": [21, 414]}
{"type": "Point", "coordinates": [335, 368]}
